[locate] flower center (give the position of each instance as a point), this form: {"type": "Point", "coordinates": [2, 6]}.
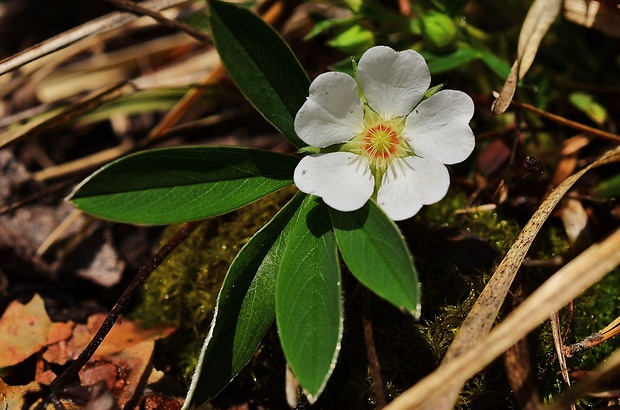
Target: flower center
{"type": "Point", "coordinates": [381, 141]}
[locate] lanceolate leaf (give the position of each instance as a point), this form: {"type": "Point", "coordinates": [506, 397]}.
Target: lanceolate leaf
{"type": "Point", "coordinates": [245, 307]}
{"type": "Point", "coordinates": [377, 255]}
{"type": "Point", "coordinates": [172, 185]}
{"type": "Point", "coordinates": [440, 64]}
{"type": "Point", "coordinates": [261, 64]}
{"type": "Point", "coordinates": [308, 299]}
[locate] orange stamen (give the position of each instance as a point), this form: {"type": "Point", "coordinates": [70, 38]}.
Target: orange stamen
{"type": "Point", "coordinates": [376, 144]}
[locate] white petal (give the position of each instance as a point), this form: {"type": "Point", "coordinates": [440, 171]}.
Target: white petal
{"type": "Point", "coordinates": [410, 183]}
{"type": "Point", "coordinates": [333, 113]}
{"type": "Point", "coordinates": [438, 128]}
{"type": "Point", "coordinates": [392, 82]}
{"type": "Point", "coordinates": [340, 178]}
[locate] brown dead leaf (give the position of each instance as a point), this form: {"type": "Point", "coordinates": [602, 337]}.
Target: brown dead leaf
{"type": "Point", "coordinates": [101, 399]}
{"type": "Point", "coordinates": [603, 16]}
{"type": "Point", "coordinates": [12, 397]}
{"type": "Point", "coordinates": [158, 402]}
{"type": "Point", "coordinates": [122, 372]}
{"type": "Point", "coordinates": [122, 361]}
{"type": "Point", "coordinates": [45, 377]}
{"type": "Point", "coordinates": [575, 220]}
{"type": "Point", "coordinates": [492, 157]}
{"type": "Point", "coordinates": [539, 18]}
{"type": "Point", "coordinates": [123, 335]}
{"type": "Point", "coordinates": [26, 329]}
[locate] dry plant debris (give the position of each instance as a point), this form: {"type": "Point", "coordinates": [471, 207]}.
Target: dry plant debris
{"type": "Point", "coordinates": [27, 329]}
{"type": "Point", "coordinates": [121, 363]}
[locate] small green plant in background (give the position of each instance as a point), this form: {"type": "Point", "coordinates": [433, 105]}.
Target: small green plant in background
{"type": "Point", "coordinates": [435, 28]}
{"type": "Point", "coordinates": [380, 141]}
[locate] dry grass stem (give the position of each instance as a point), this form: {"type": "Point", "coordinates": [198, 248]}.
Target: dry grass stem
{"type": "Point", "coordinates": [102, 24]}
{"type": "Point", "coordinates": [582, 272]}
{"type": "Point", "coordinates": [484, 313]}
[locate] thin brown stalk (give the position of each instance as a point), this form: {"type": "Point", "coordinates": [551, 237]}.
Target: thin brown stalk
{"type": "Point", "coordinates": [371, 350]}
{"type": "Point", "coordinates": [569, 123]}
{"type": "Point", "coordinates": [100, 25]}
{"type": "Point", "coordinates": [140, 10]}
{"type": "Point", "coordinates": [145, 271]}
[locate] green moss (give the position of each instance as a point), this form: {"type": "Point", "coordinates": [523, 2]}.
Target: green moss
{"type": "Point", "coordinates": [593, 310]}
{"type": "Point", "coordinates": [590, 312]}
{"type": "Point", "coordinates": [183, 289]}
{"type": "Point", "coordinates": [492, 226]}
{"type": "Point", "coordinates": [456, 253]}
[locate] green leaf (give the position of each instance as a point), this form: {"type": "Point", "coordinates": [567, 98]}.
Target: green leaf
{"type": "Point", "coordinates": [499, 66]}
{"type": "Point", "coordinates": [261, 64]}
{"type": "Point", "coordinates": [377, 255]}
{"type": "Point", "coordinates": [448, 62]}
{"type": "Point", "coordinates": [586, 104]}
{"type": "Point", "coordinates": [608, 188]}
{"type": "Point", "coordinates": [172, 185]}
{"type": "Point", "coordinates": [308, 299]}
{"type": "Point", "coordinates": [354, 40]}
{"type": "Point", "coordinates": [245, 307]}
{"type": "Point", "coordinates": [439, 29]}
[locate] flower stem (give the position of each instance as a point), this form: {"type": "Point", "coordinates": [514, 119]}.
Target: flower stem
{"type": "Point", "coordinates": [145, 271]}
{"type": "Point", "coordinates": [371, 349]}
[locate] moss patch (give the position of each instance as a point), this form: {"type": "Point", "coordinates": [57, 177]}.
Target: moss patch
{"type": "Point", "coordinates": [183, 289]}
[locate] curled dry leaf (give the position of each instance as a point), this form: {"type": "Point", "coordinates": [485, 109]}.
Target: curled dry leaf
{"type": "Point", "coordinates": [575, 220]}
{"type": "Point", "coordinates": [538, 20]}
{"type": "Point", "coordinates": [122, 361]}
{"type": "Point", "coordinates": [121, 371]}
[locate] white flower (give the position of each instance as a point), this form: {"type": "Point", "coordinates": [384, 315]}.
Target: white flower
{"type": "Point", "coordinates": [378, 140]}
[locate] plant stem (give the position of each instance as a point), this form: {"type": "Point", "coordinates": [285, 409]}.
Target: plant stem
{"type": "Point", "coordinates": [145, 271]}
{"type": "Point", "coordinates": [371, 349]}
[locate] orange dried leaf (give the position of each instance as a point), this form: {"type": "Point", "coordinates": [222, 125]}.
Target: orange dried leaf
{"type": "Point", "coordinates": [123, 335]}
{"type": "Point", "coordinates": [26, 329]}
{"type": "Point", "coordinates": [121, 371]}
{"type": "Point", "coordinates": [122, 360]}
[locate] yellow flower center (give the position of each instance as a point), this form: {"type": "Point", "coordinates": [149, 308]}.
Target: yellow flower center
{"type": "Point", "coordinates": [380, 142]}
